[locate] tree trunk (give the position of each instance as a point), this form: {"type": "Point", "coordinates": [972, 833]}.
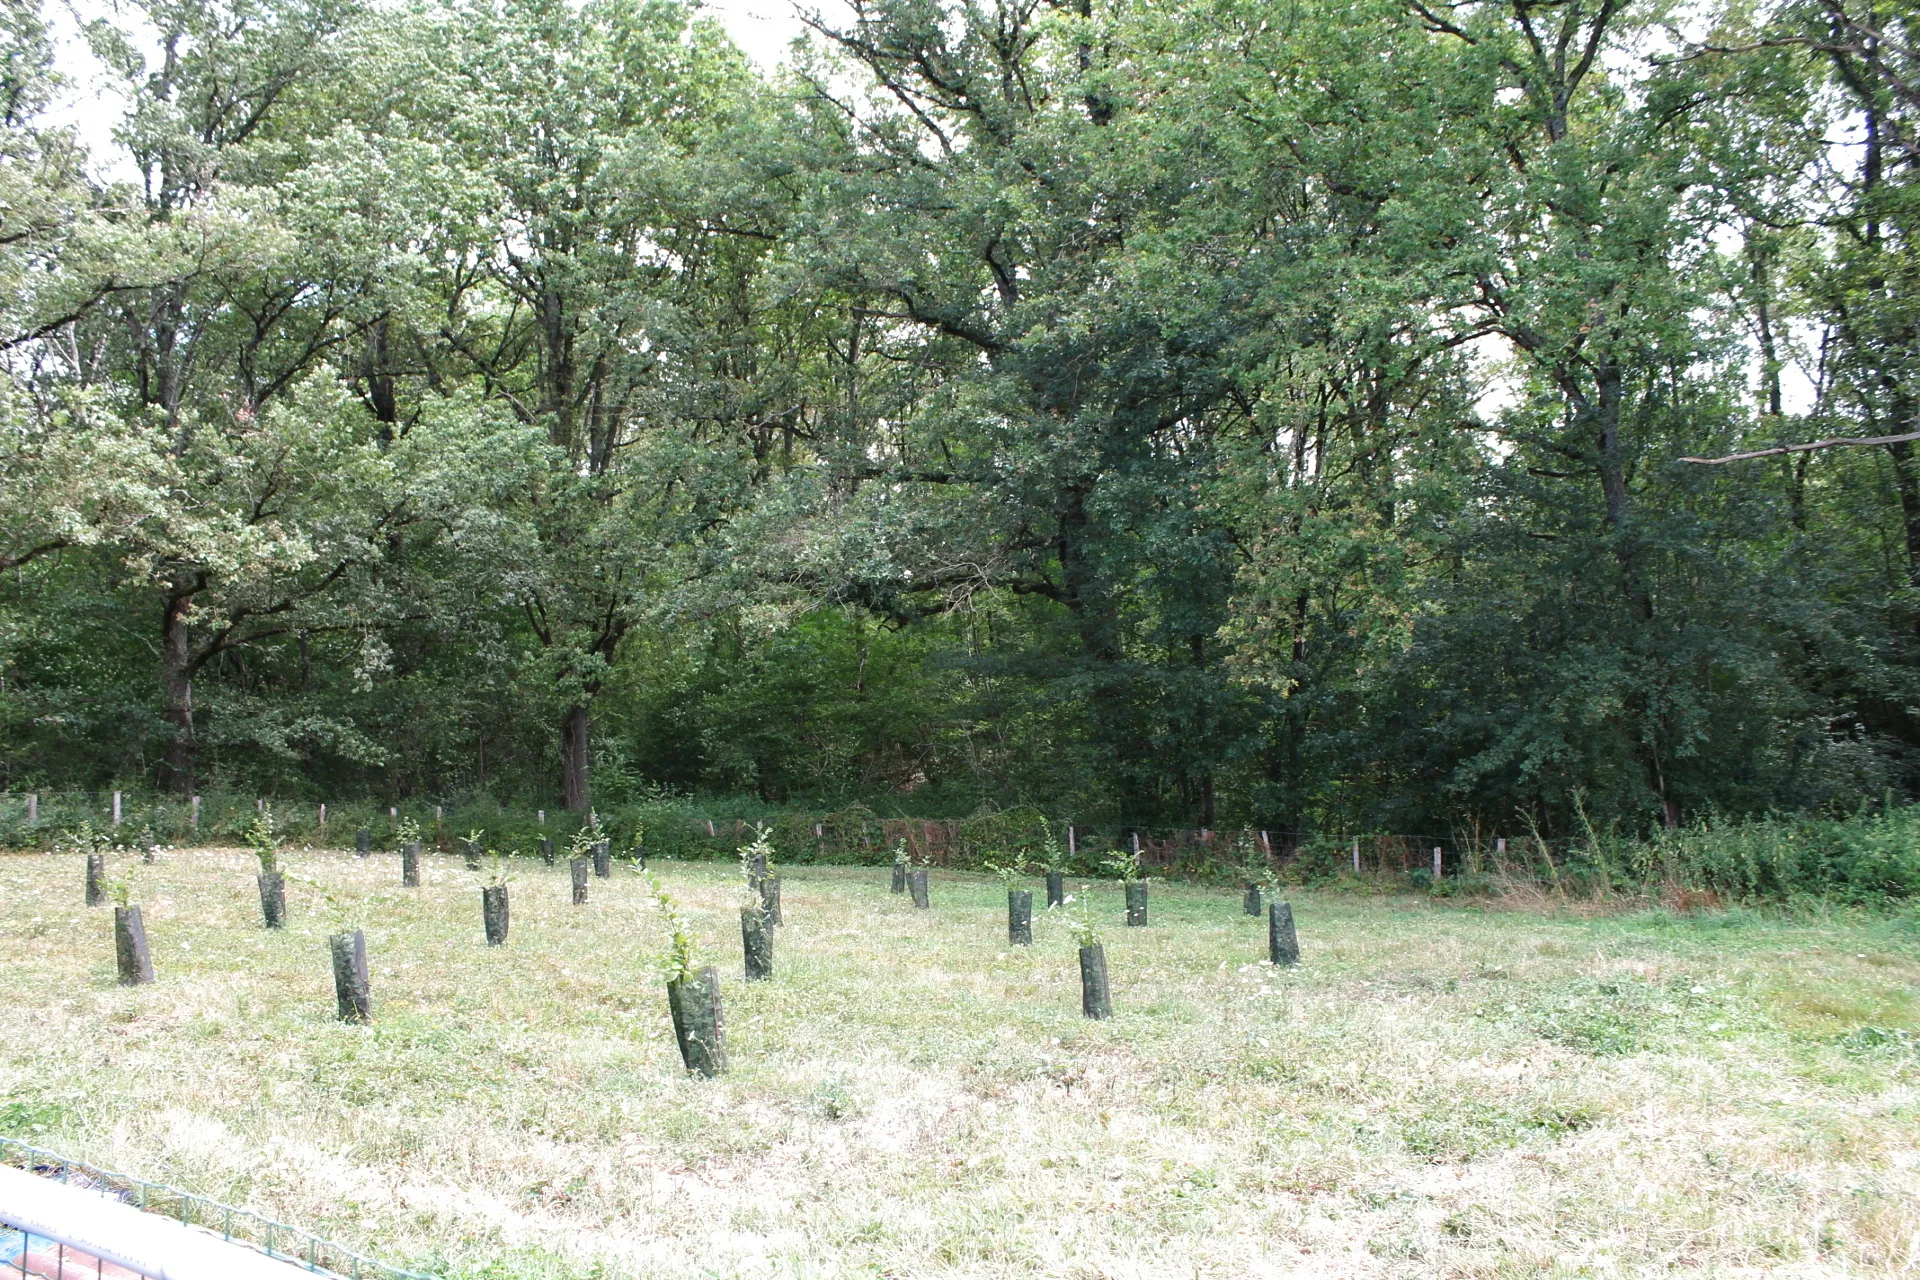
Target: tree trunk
{"type": "Point", "coordinates": [1906, 482]}
{"type": "Point", "coordinates": [176, 680]}
{"type": "Point", "coordinates": [573, 758]}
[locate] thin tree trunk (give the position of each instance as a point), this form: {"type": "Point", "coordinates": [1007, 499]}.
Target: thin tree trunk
{"type": "Point", "coordinates": [176, 681]}
{"type": "Point", "coordinates": [573, 755]}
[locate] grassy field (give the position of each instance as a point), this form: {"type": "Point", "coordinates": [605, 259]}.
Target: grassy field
{"type": "Point", "coordinates": [1437, 1090]}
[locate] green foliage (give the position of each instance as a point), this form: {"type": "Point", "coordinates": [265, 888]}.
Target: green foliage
{"type": "Point", "coordinates": [677, 961]}
{"type": "Point", "coordinates": [1124, 866]}
{"type": "Point", "coordinates": [757, 852]}
{"type": "Point", "coordinates": [1143, 415]}
{"type": "Point", "coordinates": [1076, 919]}
{"type": "Point", "coordinates": [264, 840]}
{"type": "Point", "coordinates": [1865, 860]}
{"type": "Point", "coordinates": [1010, 868]}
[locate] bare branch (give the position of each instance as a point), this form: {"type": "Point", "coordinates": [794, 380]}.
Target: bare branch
{"type": "Point", "coordinates": [1807, 448]}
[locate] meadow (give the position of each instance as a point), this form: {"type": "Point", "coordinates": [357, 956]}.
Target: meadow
{"type": "Point", "coordinates": [1439, 1088]}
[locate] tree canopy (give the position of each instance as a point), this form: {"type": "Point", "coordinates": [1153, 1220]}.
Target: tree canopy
{"type": "Point", "coordinates": [1202, 413]}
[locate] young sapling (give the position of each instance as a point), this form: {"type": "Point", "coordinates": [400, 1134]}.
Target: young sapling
{"type": "Point", "coordinates": [1096, 996]}
{"type": "Point", "coordinates": [693, 994]}
{"type": "Point", "coordinates": [265, 843]}
{"type": "Point", "coordinates": [1126, 869]}
{"type": "Point", "coordinates": [756, 864]}
{"type": "Point", "coordinates": [351, 989]}
{"type": "Point", "coordinates": [409, 833]}
{"type": "Point", "coordinates": [1053, 862]}
{"type": "Point", "coordinates": [1283, 945]}
{"type": "Point", "coordinates": [132, 956]}
{"type": "Point", "coordinates": [1019, 901]}
{"type": "Point", "coordinates": [493, 903]}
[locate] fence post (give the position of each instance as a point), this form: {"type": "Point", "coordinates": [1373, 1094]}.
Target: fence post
{"type": "Point", "coordinates": [33, 807]}
{"type": "Point", "coordinates": [436, 815]}
{"type": "Point", "coordinates": [393, 812]}
{"type": "Point", "coordinates": [116, 808]}
{"type": "Point", "coordinates": [1500, 846]}
{"type": "Point", "coordinates": [1356, 857]}
{"type": "Point", "coordinates": [1266, 846]}
{"type": "Point", "coordinates": [193, 820]}
{"type": "Point", "coordinates": [1073, 850]}
{"type": "Point", "coordinates": [1136, 843]}
{"type": "Point", "coordinates": [1436, 862]}
{"type": "Point", "coordinates": [323, 814]}
{"type": "Point", "coordinates": [543, 816]}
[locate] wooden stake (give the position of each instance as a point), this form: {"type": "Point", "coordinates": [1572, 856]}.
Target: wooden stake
{"type": "Point", "coordinates": [195, 818]}
{"type": "Point", "coordinates": [351, 990]}
{"type": "Point", "coordinates": [1436, 862]}
{"type": "Point", "coordinates": [116, 808]}
{"type": "Point", "coordinates": [33, 807]}
{"type": "Point", "coordinates": [1356, 857]}
{"type": "Point", "coordinates": [1073, 850]}
{"type": "Point", "coordinates": [323, 816]}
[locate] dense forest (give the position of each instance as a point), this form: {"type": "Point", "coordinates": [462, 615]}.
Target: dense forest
{"type": "Point", "coordinates": [1202, 413]}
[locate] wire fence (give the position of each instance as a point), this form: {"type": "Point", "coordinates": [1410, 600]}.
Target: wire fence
{"type": "Point", "coordinates": [276, 1240]}
{"type": "Point", "coordinates": [679, 828]}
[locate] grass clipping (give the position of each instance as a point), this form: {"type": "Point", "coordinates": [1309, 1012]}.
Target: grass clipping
{"type": "Point", "coordinates": [1437, 1091]}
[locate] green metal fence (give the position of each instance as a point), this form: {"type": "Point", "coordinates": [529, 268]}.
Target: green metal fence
{"type": "Point", "coordinates": [275, 1239]}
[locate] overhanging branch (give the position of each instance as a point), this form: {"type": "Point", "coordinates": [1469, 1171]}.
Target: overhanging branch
{"type": "Point", "coordinates": [1809, 447]}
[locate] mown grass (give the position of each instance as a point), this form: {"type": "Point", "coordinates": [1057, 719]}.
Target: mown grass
{"type": "Point", "coordinates": [1437, 1090]}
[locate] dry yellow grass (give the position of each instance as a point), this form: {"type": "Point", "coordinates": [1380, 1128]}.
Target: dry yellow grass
{"type": "Point", "coordinates": [1436, 1091]}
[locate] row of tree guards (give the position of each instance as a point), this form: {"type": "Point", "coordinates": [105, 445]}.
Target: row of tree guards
{"type": "Point", "coordinates": [363, 836]}
{"type": "Point", "coordinates": [693, 995]}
